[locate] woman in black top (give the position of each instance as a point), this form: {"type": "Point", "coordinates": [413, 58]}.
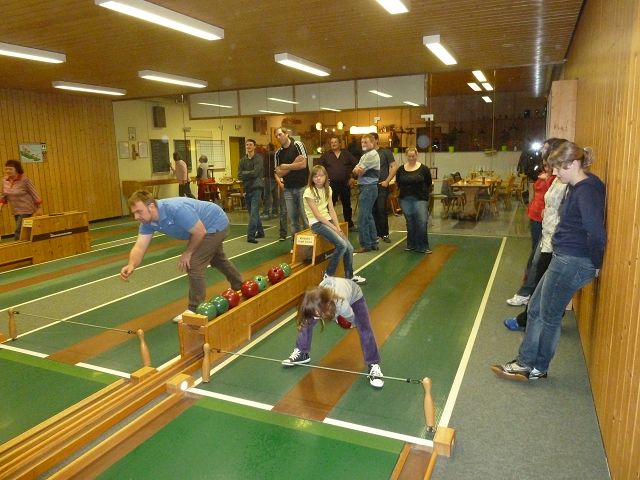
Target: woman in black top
{"type": "Point", "coordinates": [414, 182]}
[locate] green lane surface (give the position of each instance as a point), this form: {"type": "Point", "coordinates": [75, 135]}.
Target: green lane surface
{"type": "Point", "coordinates": [217, 439]}
{"type": "Point", "coordinates": [33, 389]}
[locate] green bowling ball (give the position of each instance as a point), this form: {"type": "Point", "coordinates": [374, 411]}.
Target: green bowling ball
{"type": "Point", "coordinates": [286, 269]}
{"type": "Point", "coordinates": [262, 282]}
{"type": "Point", "coordinates": [208, 309]}
{"type": "Point", "coordinates": [221, 304]}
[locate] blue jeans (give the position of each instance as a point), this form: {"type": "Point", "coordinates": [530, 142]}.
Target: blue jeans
{"type": "Point", "coordinates": [531, 277]}
{"type": "Point", "coordinates": [282, 215]}
{"type": "Point", "coordinates": [416, 215]}
{"type": "Point", "coordinates": [253, 199]}
{"type": "Point", "coordinates": [362, 323]}
{"type": "Point", "coordinates": [270, 197]}
{"type": "Point", "coordinates": [343, 250]}
{"type": "Point", "coordinates": [366, 224]}
{"type": "Point", "coordinates": [295, 208]}
{"type": "Point", "coordinates": [564, 277]}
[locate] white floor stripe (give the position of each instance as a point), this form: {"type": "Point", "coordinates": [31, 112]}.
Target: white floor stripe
{"type": "Point", "coordinates": [382, 433]}
{"type": "Point", "coordinates": [464, 361]}
{"type": "Point", "coordinates": [229, 398]}
{"type": "Point", "coordinates": [22, 350]}
{"type": "Point", "coordinates": [117, 373]}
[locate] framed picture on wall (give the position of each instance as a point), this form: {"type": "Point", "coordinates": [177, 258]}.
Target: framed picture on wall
{"type": "Point", "coordinates": [143, 149]}
{"type": "Point", "coordinates": [123, 149]}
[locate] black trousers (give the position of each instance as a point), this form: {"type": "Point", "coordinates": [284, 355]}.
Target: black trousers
{"type": "Point", "coordinates": [184, 190]}
{"type": "Point", "coordinates": [543, 264]}
{"type": "Point", "coordinates": [380, 214]}
{"type": "Point", "coordinates": [342, 191]}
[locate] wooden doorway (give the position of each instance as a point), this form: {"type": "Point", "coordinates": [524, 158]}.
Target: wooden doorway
{"type": "Point", "coordinates": [236, 152]}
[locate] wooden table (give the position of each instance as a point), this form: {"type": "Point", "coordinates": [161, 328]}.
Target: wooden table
{"type": "Point", "coordinates": [471, 188]}
{"type": "Point", "coordinates": [225, 189]}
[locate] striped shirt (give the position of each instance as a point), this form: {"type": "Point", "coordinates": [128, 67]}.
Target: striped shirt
{"type": "Point", "coordinates": [21, 193]}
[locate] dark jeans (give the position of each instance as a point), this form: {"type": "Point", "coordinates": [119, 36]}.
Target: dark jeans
{"type": "Point", "coordinates": [252, 198]}
{"type": "Point", "coordinates": [270, 197]}
{"type": "Point", "coordinates": [184, 190]}
{"type": "Point", "coordinates": [543, 263]}
{"type": "Point", "coordinates": [341, 190]}
{"type": "Point", "coordinates": [18, 219]}
{"type": "Point", "coordinates": [380, 214]}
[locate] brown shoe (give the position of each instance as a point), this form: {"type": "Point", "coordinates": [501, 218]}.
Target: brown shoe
{"type": "Point", "coordinates": [362, 250]}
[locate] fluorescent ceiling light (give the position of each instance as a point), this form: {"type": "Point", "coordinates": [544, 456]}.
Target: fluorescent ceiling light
{"type": "Point", "coordinates": [81, 87]}
{"type": "Point", "coordinates": [355, 130]}
{"type": "Point", "coordinates": [487, 86]}
{"type": "Point", "coordinates": [474, 86]}
{"type": "Point", "coordinates": [394, 6]}
{"type": "Point", "coordinates": [432, 42]}
{"type": "Point", "coordinates": [271, 111]}
{"type": "Point", "coordinates": [381, 94]}
{"type": "Point", "coordinates": [31, 53]}
{"type": "Point", "coordinates": [163, 16]}
{"type": "Point", "coordinates": [411, 103]}
{"type": "Point", "coordinates": [282, 100]}
{"type": "Point", "coordinates": [330, 109]}
{"type": "Point", "coordinates": [487, 99]}
{"type": "Point", "coordinates": [214, 105]}
{"type": "Point", "coordinates": [301, 64]}
{"type": "Point", "coordinates": [170, 78]}
{"type": "Point", "coordinates": [479, 75]}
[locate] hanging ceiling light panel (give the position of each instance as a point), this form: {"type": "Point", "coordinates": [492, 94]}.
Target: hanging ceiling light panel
{"type": "Point", "coordinates": [301, 64]}
{"type": "Point", "coordinates": [173, 79]}
{"type": "Point", "coordinates": [394, 6]}
{"type": "Point", "coordinates": [28, 53]}
{"type": "Point", "coordinates": [82, 87]}
{"type": "Point", "coordinates": [165, 17]}
{"type": "Point", "coordinates": [432, 42]}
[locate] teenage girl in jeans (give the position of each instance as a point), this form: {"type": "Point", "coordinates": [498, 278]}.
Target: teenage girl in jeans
{"type": "Point", "coordinates": [578, 249]}
{"type": "Point", "coordinates": [323, 220]}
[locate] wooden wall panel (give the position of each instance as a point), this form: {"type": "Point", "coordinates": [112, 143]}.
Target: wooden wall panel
{"type": "Point", "coordinates": [81, 172]}
{"type": "Point", "coordinates": [604, 57]}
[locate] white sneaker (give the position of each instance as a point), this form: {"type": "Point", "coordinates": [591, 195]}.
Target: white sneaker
{"type": "Point", "coordinates": [177, 318]}
{"type": "Point", "coordinates": [375, 375]}
{"type": "Point", "coordinates": [518, 300]}
{"type": "Point", "coordinates": [358, 279]}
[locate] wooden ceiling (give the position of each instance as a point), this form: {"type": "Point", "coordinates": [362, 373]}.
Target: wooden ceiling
{"type": "Point", "coordinates": [520, 39]}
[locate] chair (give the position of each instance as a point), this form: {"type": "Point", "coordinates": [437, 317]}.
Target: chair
{"type": "Point", "coordinates": [505, 192]}
{"type": "Point", "coordinates": [521, 187]}
{"type": "Point", "coordinates": [489, 198]}
{"type": "Point", "coordinates": [449, 198]}
{"type": "Point", "coordinates": [236, 194]}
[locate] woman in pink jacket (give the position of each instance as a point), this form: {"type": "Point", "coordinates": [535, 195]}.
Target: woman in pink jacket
{"type": "Point", "coordinates": [19, 190]}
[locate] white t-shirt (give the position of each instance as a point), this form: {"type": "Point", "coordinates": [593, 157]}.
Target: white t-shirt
{"type": "Point", "coordinates": [348, 291]}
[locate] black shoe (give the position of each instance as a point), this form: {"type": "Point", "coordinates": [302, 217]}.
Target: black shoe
{"type": "Point", "coordinates": [252, 240]}
{"type": "Point", "coordinates": [296, 358]}
{"type": "Point", "coordinates": [282, 239]}
{"type": "Point", "coordinates": [260, 235]}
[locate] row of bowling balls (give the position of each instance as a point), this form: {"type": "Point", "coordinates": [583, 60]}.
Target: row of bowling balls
{"type": "Point", "coordinates": [231, 298]}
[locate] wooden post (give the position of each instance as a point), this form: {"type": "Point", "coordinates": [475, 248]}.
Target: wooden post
{"type": "Point", "coordinates": [429, 409]}
{"type": "Point", "coordinates": [206, 363]}
{"type": "Point", "coordinates": [144, 350]}
{"type": "Point", "coordinates": [13, 331]}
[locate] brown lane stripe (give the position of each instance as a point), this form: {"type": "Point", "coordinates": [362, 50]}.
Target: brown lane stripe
{"type": "Point", "coordinates": [90, 347]}
{"type": "Point", "coordinates": [318, 392]}
{"type": "Point", "coordinates": [27, 282]}
{"type": "Point", "coordinates": [98, 234]}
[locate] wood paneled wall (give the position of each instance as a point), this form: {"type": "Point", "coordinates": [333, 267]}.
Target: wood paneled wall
{"type": "Point", "coordinates": [81, 171]}
{"type": "Point", "coordinates": [604, 58]}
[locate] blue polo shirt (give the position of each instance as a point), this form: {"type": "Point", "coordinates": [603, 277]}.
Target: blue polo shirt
{"type": "Point", "coordinates": [179, 215]}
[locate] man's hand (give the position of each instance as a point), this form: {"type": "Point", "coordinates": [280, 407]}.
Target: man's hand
{"type": "Point", "coordinates": [384, 183]}
{"type": "Point", "coordinates": [184, 262]}
{"type": "Point", "coordinates": [126, 272]}
{"type": "Point", "coordinates": [281, 172]}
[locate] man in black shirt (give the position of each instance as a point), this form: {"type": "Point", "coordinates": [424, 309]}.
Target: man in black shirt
{"type": "Point", "coordinates": [339, 164]}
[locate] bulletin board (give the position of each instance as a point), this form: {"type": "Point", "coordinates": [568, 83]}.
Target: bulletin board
{"type": "Point", "coordinates": [160, 156]}
{"type": "Point", "coordinates": [214, 150]}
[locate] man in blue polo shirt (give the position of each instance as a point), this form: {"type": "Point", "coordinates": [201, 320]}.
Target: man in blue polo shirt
{"type": "Point", "coordinates": [203, 224]}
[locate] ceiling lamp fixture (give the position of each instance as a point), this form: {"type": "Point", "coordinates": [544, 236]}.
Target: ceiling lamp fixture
{"type": "Point", "coordinates": [487, 86]}
{"type": "Point", "coordinates": [163, 16]}
{"type": "Point", "coordinates": [355, 130]}
{"type": "Point", "coordinates": [31, 53]}
{"type": "Point", "coordinates": [318, 126]}
{"type": "Point", "coordinates": [413, 104]}
{"type": "Point", "coordinates": [271, 111]}
{"type": "Point", "coordinates": [173, 79]}
{"type": "Point", "coordinates": [81, 87]}
{"type": "Point", "coordinates": [394, 6]}
{"type": "Point", "coordinates": [330, 109]}
{"type": "Point", "coordinates": [381, 94]}
{"type": "Point", "coordinates": [474, 86]}
{"type": "Point", "coordinates": [301, 64]}
{"type": "Point", "coordinates": [282, 100]}
{"type": "Point", "coordinates": [487, 99]}
{"type": "Point", "coordinates": [432, 42]}
{"type": "Point", "coordinates": [214, 105]}
{"type": "Point", "coordinates": [479, 75]}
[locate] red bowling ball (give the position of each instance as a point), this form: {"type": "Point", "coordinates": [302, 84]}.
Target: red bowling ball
{"type": "Point", "coordinates": [249, 288]}
{"type": "Point", "coordinates": [275, 275]}
{"type": "Point", "coordinates": [343, 322]}
{"type": "Point", "coordinates": [232, 297]}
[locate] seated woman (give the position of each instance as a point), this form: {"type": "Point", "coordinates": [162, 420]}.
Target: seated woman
{"type": "Point", "coordinates": [322, 219]}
